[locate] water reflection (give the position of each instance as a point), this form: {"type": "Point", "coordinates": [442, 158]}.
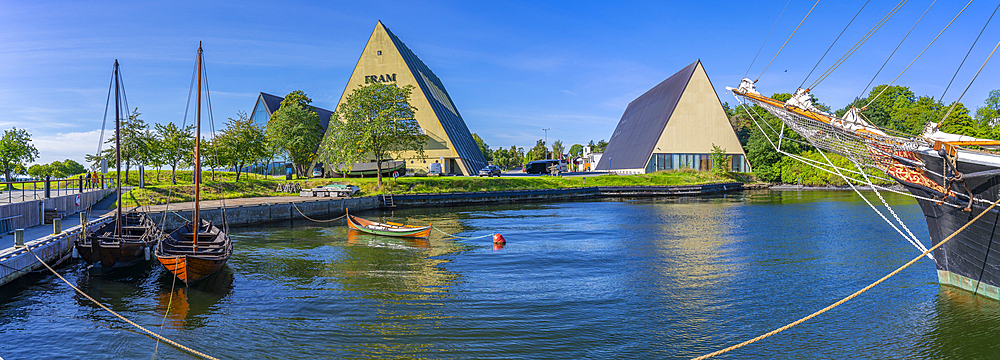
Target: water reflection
{"type": "Point", "coordinates": [191, 307]}
{"type": "Point", "coordinates": [962, 326]}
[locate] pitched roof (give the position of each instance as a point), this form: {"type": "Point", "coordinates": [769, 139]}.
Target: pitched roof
{"type": "Point", "coordinates": [446, 111]}
{"type": "Point", "coordinates": [643, 121]}
{"type": "Point", "coordinates": [273, 102]}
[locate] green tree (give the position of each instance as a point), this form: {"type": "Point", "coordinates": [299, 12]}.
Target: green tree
{"type": "Point", "coordinates": [134, 143]}
{"type": "Point", "coordinates": [16, 151]}
{"type": "Point", "coordinates": [539, 152]}
{"type": "Point", "coordinates": [296, 130]}
{"type": "Point", "coordinates": [759, 149]}
{"type": "Point", "coordinates": [375, 120]}
{"type": "Point", "coordinates": [56, 169]}
{"type": "Point", "coordinates": [212, 155]}
{"type": "Point", "coordinates": [557, 149]}
{"type": "Point", "coordinates": [483, 147]}
{"type": "Point", "coordinates": [720, 160]}
{"type": "Point", "coordinates": [576, 150]}
{"type": "Point", "coordinates": [177, 146]}
{"type": "Point", "coordinates": [600, 147]}
{"type": "Point", "coordinates": [242, 143]}
{"type": "Point", "coordinates": [156, 155]}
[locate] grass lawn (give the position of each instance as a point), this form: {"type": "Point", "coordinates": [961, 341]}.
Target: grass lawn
{"type": "Point", "coordinates": [161, 191]}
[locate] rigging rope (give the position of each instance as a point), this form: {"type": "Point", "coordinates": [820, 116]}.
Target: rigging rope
{"type": "Point", "coordinates": [855, 294]}
{"type": "Point", "coordinates": [786, 40]}
{"type": "Point", "coordinates": [834, 42]}
{"type": "Point", "coordinates": [897, 48]}
{"type": "Point", "coordinates": [918, 55]}
{"type": "Point", "coordinates": [968, 52]}
{"type": "Point", "coordinates": [969, 85]}
{"type": "Point", "coordinates": [857, 45]}
{"type": "Point", "coordinates": [766, 37]}
{"type": "Point", "coordinates": [130, 322]}
{"type": "Point", "coordinates": [913, 241]}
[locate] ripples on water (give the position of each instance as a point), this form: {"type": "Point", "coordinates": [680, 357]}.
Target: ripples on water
{"type": "Point", "coordinates": [619, 278]}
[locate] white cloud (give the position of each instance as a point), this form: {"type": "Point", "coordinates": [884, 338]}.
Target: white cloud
{"type": "Point", "coordinates": [61, 146]}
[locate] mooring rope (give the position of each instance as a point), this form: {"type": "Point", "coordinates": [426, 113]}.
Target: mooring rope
{"type": "Point", "coordinates": [855, 294]}
{"type": "Point", "coordinates": [309, 218]}
{"type": "Point", "coordinates": [463, 237]}
{"type": "Point", "coordinates": [130, 322]}
{"type": "Point", "coordinates": [170, 301]}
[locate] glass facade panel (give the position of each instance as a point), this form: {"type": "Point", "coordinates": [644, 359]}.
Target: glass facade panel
{"type": "Point", "coordinates": [260, 116]}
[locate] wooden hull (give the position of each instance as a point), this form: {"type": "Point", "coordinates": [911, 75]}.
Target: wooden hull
{"type": "Point", "coordinates": [106, 249]}
{"type": "Point", "coordinates": [190, 262]}
{"type": "Point", "coordinates": [383, 229]}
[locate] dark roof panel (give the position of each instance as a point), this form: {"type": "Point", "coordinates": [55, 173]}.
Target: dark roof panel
{"type": "Point", "coordinates": [642, 123]}
{"type": "Point", "coordinates": [273, 103]}
{"type": "Point", "coordinates": [452, 122]}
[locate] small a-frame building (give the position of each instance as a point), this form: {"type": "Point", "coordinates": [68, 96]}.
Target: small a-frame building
{"type": "Point", "coordinates": [449, 142]}
{"type": "Point", "coordinates": [673, 126]}
{"type": "Point", "coordinates": [267, 104]}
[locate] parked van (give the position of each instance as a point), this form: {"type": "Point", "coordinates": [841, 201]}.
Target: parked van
{"type": "Point", "coordinates": [542, 166]}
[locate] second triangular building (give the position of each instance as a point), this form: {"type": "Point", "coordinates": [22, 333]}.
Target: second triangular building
{"type": "Point", "coordinates": [673, 126]}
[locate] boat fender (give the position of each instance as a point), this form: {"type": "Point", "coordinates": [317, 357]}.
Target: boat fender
{"type": "Point", "coordinates": [75, 255]}
{"type": "Point", "coordinates": [145, 252]}
{"type": "Point", "coordinates": [498, 239]}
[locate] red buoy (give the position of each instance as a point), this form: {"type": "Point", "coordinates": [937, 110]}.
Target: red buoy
{"type": "Point", "coordinates": [498, 239]}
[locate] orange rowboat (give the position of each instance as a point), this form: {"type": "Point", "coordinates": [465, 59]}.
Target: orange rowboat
{"type": "Point", "coordinates": [387, 229]}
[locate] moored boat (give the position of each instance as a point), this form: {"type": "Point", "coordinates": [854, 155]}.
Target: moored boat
{"type": "Point", "coordinates": [129, 238]}
{"type": "Point", "coordinates": [192, 257]}
{"type": "Point", "coordinates": [387, 229]}
{"type": "Point", "coordinates": [198, 248]}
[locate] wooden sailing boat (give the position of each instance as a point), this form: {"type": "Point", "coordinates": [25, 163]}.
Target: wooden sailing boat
{"type": "Point", "coordinates": [129, 238]}
{"type": "Point", "coordinates": [387, 229]}
{"type": "Point", "coordinates": [198, 248]}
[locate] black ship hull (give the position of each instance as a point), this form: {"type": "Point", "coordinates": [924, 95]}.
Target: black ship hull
{"type": "Point", "coordinates": [971, 260]}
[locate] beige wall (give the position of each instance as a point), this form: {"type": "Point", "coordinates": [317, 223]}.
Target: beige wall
{"type": "Point", "coordinates": [698, 121]}
{"type": "Point", "coordinates": [391, 62]}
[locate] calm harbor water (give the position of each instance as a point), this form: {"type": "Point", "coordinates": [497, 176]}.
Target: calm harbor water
{"type": "Point", "coordinates": [624, 278]}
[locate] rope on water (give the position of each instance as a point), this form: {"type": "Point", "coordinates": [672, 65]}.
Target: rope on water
{"type": "Point", "coordinates": [462, 237]}
{"type": "Point", "coordinates": [309, 218]}
{"type": "Point", "coordinates": [170, 301]}
{"type": "Point", "coordinates": [150, 333]}
{"type": "Point", "coordinates": [859, 292]}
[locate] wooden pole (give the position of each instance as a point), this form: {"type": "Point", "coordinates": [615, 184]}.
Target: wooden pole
{"type": "Point", "coordinates": [197, 154]}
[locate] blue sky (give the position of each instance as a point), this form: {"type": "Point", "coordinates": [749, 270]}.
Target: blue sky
{"type": "Point", "coordinates": [512, 68]}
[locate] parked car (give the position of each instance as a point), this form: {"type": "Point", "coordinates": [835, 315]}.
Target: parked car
{"type": "Point", "coordinates": [490, 170]}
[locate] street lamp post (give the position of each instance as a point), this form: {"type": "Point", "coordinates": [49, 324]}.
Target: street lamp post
{"type": "Point", "coordinates": [546, 143]}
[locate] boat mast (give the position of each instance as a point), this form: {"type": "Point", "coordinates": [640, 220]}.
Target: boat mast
{"type": "Point", "coordinates": [197, 154]}
{"type": "Point", "coordinates": [118, 151]}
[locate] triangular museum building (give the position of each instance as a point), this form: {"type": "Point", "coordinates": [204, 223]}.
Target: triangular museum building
{"type": "Point", "coordinates": [673, 126]}
{"type": "Point", "coordinates": [449, 142]}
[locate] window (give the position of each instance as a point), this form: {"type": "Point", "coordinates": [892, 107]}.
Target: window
{"type": "Point", "coordinates": [379, 52]}
{"type": "Point", "coordinates": [260, 116]}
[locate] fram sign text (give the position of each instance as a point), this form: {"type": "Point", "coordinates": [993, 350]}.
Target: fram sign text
{"type": "Point", "coordinates": [380, 78]}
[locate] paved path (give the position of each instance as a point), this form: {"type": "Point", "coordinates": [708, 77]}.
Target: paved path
{"type": "Point", "coordinates": [98, 210]}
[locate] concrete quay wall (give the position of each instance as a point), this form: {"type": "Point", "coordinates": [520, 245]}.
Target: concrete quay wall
{"type": "Point", "coordinates": [262, 210]}
{"type": "Point", "coordinates": [510, 196]}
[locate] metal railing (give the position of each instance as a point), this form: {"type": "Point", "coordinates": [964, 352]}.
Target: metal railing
{"type": "Point", "coordinates": [19, 191]}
